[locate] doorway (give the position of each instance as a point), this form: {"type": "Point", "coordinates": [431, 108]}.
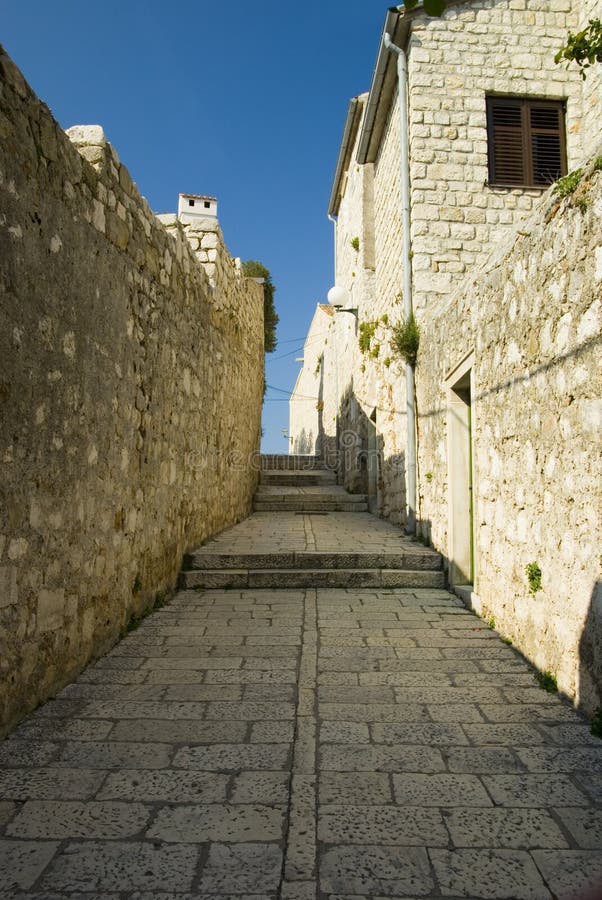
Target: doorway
{"type": "Point", "coordinates": [459, 436]}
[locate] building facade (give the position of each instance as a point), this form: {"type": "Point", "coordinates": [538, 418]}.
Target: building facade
{"type": "Point", "coordinates": [498, 461]}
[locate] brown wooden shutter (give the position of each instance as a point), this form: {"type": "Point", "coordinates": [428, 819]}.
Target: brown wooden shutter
{"type": "Point", "coordinates": [526, 141]}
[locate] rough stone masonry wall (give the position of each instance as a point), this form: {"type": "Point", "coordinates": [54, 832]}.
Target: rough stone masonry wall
{"type": "Point", "coordinates": [533, 316]}
{"type": "Point", "coordinates": [124, 373]}
{"type": "Point", "coordinates": [592, 85]}
{"type": "Point", "coordinates": [478, 48]}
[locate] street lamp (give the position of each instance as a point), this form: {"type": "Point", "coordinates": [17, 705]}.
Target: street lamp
{"type": "Point", "coordinates": [340, 298]}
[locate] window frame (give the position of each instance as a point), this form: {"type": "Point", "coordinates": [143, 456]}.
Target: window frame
{"type": "Point", "coordinates": [524, 103]}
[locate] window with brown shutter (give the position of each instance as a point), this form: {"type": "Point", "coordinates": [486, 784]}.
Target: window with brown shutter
{"type": "Point", "coordinates": [526, 141]}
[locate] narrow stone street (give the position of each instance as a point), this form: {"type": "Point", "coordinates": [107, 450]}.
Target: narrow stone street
{"type": "Point", "coordinates": [258, 739]}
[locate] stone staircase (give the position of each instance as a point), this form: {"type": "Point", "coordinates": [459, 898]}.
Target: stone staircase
{"type": "Point", "coordinates": [307, 531]}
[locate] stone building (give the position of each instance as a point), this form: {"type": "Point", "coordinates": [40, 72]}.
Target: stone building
{"type": "Point", "coordinates": [489, 445]}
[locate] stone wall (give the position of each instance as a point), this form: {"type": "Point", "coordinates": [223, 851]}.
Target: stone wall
{"type": "Point", "coordinates": [126, 361]}
{"type": "Point", "coordinates": [592, 85]}
{"type": "Point", "coordinates": [306, 420]}
{"type": "Point", "coordinates": [532, 316]}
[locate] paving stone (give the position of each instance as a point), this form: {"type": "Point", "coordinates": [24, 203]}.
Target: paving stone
{"type": "Point", "coordinates": [569, 873]}
{"type": "Point", "coordinates": [518, 735]}
{"type": "Point", "coordinates": [371, 870]}
{"type": "Point", "coordinates": [99, 709]}
{"type": "Point", "coordinates": [21, 863]}
{"type": "Point", "coordinates": [202, 692]}
{"type": "Point", "coordinates": [122, 866]}
{"type": "Point", "coordinates": [460, 713]}
{"type": "Point", "coordinates": [383, 758]}
{"type": "Point", "coordinates": [271, 788]}
{"type": "Point", "coordinates": [351, 694]}
{"type": "Point", "coordinates": [354, 789]}
{"type": "Point", "coordinates": [345, 732]}
{"type": "Point", "coordinates": [440, 790]}
{"type": "Point", "coordinates": [271, 693]}
{"type": "Point", "coordinates": [165, 785]}
{"type": "Point", "coordinates": [300, 860]}
{"type": "Point", "coordinates": [562, 759]}
{"type": "Point", "coordinates": [74, 819]}
{"type": "Point", "coordinates": [416, 733]}
{"type": "Point", "coordinates": [233, 757]}
{"type": "Point", "coordinates": [7, 811]}
{"type": "Point", "coordinates": [19, 753]}
{"type": "Point", "coordinates": [109, 755]}
{"type": "Point", "coordinates": [95, 691]}
{"type": "Point", "coordinates": [240, 868]}
{"type": "Point", "coordinates": [49, 784]}
{"type": "Point", "coordinates": [382, 825]}
{"type": "Point", "coordinates": [272, 732]}
{"type": "Point", "coordinates": [534, 790]}
{"type": "Point", "coordinates": [585, 825]}
{"type": "Point", "coordinates": [181, 731]}
{"type": "Point", "coordinates": [573, 734]}
{"type": "Point", "coordinates": [373, 712]}
{"type": "Point", "coordinates": [483, 760]}
{"type": "Point", "coordinates": [522, 829]}
{"type": "Point", "coordinates": [507, 712]}
{"type": "Point", "coordinates": [591, 785]}
{"type": "Point", "coordinates": [59, 730]}
{"type": "Point", "coordinates": [500, 874]}
{"type": "Point", "coordinates": [246, 711]}
{"type": "Point", "coordinates": [218, 822]}
{"type": "Point", "coordinates": [251, 676]}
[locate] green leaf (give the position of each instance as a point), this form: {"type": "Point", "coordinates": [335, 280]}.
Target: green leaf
{"type": "Point", "coordinates": [410, 4]}
{"type": "Point", "coordinates": [434, 7]}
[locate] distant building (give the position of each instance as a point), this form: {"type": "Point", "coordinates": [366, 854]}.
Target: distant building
{"type": "Point", "coordinates": [192, 207]}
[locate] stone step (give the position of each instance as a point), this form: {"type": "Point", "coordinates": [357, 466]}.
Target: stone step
{"type": "Point", "coordinates": [424, 560]}
{"type": "Point", "coordinates": [300, 504]}
{"type": "Point", "coordinates": [297, 477]}
{"type": "Point", "coordinates": [310, 578]}
{"type": "Point", "coordinates": [287, 492]}
{"type": "Point", "coordinates": [285, 461]}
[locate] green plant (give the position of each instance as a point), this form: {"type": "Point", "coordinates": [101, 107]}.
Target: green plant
{"type": "Point", "coordinates": [363, 367]}
{"type": "Point", "coordinates": [506, 640]}
{"type": "Point", "coordinates": [375, 351]}
{"type": "Point", "coordinates": [406, 340]}
{"type": "Point", "coordinates": [320, 405]}
{"type": "Point", "coordinates": [429, 476]}
{"type": "Point", "coordinates": [597, 723]}
{"type": "Point", "coordinates": [318, 366]}
{"type": "Point", "coordinates": [387, 361]}
{"type": "Point", "coordinates": [366, 333]}
{"type": "Point", "coordinates": [385, 319]}
{"type": "Point", "coordinates": [533, 577]}
{"type": "Point", "coordinates": [547, 681]}
{"type": "Point", "coordinates": [490, 622]}
{"type": "Point", "coordinates": [598, 164]}
{"type": "Point", "coordinates": [564, 187]}
{"type": "Point", "coordinates": [355, 243]}
{"type": "Point", "coordinates": [584, 47]}
{"type": "Point", "coordinates": [254, 269]}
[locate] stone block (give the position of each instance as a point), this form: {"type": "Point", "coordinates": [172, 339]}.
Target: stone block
{"type": "Point", "coordinates": [8, 586]}
{"type": "Point", "coordinates": [50, 609]}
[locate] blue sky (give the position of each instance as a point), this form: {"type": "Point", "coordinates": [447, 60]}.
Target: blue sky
{"type": "Point", "coordinates": [244, 101]}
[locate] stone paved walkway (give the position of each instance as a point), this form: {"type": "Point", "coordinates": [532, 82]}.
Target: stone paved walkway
{"type": "Point", "coordinates": [303, 744]}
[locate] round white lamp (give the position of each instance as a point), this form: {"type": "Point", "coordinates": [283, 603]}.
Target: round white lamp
{"type": "Point", "coordinates": [338, 296]}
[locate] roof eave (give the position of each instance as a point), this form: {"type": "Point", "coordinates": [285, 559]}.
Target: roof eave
{"type": "Point", "coordinates": [354, 111]}
{"type": "Point", "coordinates": [398, 23]}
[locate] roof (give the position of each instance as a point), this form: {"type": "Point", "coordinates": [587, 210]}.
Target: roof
{"type": "Point", "coordinates": [197, 197]}
{"type": "Point", "coordinates": [352, 123]}
{"type": "Point", "coordinates": [326, 308]}
{"type": "Point", "coordinates": [398, 23]}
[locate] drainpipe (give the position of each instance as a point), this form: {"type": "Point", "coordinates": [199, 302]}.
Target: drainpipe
{"type": "Point", "coordinates": [402, 77]}
{"type": "Point", "coordinates": [333, 219]}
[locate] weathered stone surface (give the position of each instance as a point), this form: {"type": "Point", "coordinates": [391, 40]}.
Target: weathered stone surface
{"type": "Point", "coordinates": [119, 350]}
{"type": "Point", "coordinates": [241, 867]}
{"type": "Point", "coordinates": [218, 822]}
{"type": "Point", "coordinates": [69, 819]}
{"type": "Point", "coordinates": [376, 870]}
{"type": "Point", "coordinates": [22, 863]}
{"type": "Point", "coordinates": [503, 874]}
{"type": "Point", "coordinates": [121, 866]}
